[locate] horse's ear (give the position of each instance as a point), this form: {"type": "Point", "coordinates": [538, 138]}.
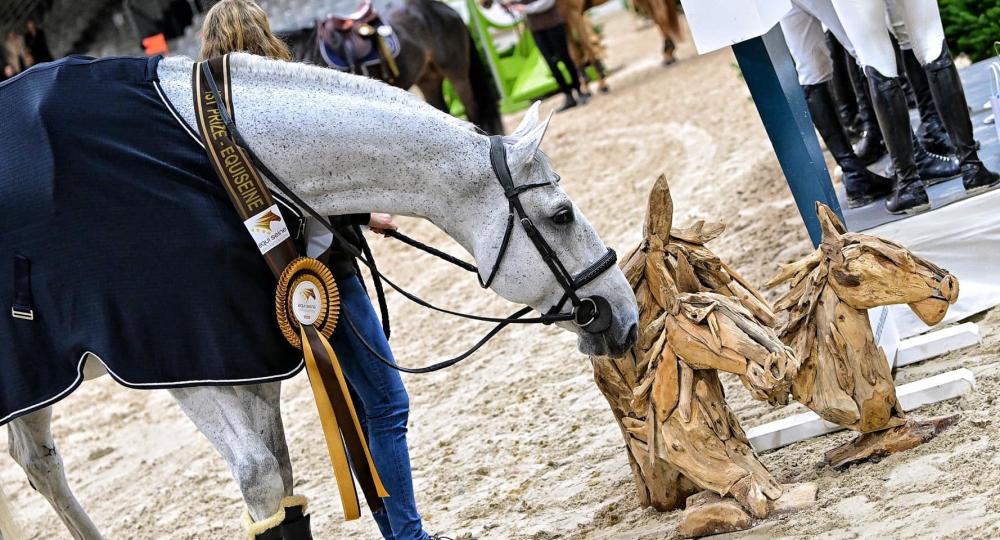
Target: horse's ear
{"type": "Point", "coordinates": [829, 223]}
{"type": "Point", "coordinates": [526, 147]}
{"type": "Point", "coordinates": [660, 210]}
{"type": "Point", "coordinates": [529, 121]}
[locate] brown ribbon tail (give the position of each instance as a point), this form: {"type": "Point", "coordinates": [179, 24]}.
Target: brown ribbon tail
{"type": "Point", "coordinates": [335, 386]}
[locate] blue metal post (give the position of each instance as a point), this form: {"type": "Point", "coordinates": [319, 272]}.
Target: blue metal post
{"type": "Point", "coordinates": [770, 74]}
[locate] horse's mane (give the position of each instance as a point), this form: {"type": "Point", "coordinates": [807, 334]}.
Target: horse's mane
{"type": "Point", "coordinates": [806, 279]}
{"type": "Point", "coordinates": [279, 71]}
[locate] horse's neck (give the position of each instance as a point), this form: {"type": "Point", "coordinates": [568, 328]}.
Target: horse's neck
{"type": "Point", "coordinates": [852, 323]}
{"type": "Point", "coordinates": [353, 145]}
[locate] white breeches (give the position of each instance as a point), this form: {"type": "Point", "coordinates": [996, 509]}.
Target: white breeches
{"type": "Point", "coordinates": [803, 30]}
{"type": "Point", "coordinates": [865, 24]}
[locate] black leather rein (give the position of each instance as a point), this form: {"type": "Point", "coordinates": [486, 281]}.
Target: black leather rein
{"type": "Point", "coordinates": [592, 313]}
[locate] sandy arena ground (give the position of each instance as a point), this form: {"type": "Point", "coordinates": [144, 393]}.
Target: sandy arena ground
{"type": "Point", "coordinates": [518, 442]}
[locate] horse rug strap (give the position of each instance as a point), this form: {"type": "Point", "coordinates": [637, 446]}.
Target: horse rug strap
{"type": "Point", "coordinates": [307, 302]}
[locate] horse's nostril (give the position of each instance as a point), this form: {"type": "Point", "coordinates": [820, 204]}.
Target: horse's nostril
{"type": "Point", "coordinates": [632, 337]}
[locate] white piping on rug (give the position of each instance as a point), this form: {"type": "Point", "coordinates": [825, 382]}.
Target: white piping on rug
{"type": "Point", "coordinates": [139, 386]}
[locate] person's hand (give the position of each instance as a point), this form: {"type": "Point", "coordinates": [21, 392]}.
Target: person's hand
{"type": "Point", "coordinates": [380, 223]}
{"type": "Point", "coordinates": [517, 8]}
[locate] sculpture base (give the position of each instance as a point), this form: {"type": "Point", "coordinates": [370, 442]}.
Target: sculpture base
{"type": "Point", "coordinates": [707, 513]}
{"type": "Point", "coordinates": [890, 441]}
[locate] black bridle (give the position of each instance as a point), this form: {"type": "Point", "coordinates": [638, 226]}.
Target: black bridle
{"type": "Point", "coordinates": [591, 313]}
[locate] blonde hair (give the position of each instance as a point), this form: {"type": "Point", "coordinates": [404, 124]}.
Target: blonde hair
{"type": "Point", "coordinates": [240, 25]}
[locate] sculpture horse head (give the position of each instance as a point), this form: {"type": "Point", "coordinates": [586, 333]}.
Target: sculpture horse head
{"type": "Point", "coordinates": [845, 377]}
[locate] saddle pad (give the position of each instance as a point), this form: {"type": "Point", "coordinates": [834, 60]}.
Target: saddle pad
{"type": "Point", "coordinates": [135, 253]}
{"type": "Point", "coordinates": [371, 57]}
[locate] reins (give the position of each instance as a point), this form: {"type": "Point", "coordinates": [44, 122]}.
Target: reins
{"type": "Point", "coordinates": [591, 313]}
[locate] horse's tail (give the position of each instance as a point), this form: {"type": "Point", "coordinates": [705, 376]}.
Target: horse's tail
{"type": "Point", "coordinates": [9, 529]}
{"type": "Point", "coordinates": [484, 92]}
{"type": "Point", "coordinates": [673, 18]}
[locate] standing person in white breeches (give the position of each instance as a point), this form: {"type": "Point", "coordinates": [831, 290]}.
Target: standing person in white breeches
{"type": "Point", "coordinates": [807, 44]}
{"type": "Point", "coordinates": [802, 28]}
{"type": "Point", "coordinates": [864, 23]}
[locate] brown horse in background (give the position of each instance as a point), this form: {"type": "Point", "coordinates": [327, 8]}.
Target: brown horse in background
{"type": "Point", "coordinates": [666, 15]}
{"type": "Point", "coordinates": [585, 45]}
{"type": "Point", "coordinates": [435, 45]}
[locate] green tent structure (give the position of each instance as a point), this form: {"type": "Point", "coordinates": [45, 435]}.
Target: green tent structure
{"type": "Point", "coordinates": [519, 71]}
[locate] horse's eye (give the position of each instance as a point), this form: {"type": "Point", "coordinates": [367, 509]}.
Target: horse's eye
{"type": "Point", "coordinates": [563, 217]}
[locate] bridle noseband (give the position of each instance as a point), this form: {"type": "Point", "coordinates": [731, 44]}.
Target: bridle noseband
{"type": "Point", "coordinates": [592, 313]}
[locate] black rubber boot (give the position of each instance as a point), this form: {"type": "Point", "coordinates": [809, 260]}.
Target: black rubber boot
{"type": "Point", "coordinates": [841, 87]}
{"type": "Point", "coordinates": [949, 97]}
{"type": "Point", "coordinates": [863, 186]}
{"type": "Point", "coordinates": [270, 534]}
{"type": "Point", "coordinates": [568, 104]}
{"type": "Point", "coordinates": [932, 134]}
{"type": "Point", "coordinates": [296, 525]}
{"type": "Point", "coordinates": [889, 102]}
{"type": "Point", "coordinates": [933, 167]}
{"type": "Point", "coordinates": [870, 146]}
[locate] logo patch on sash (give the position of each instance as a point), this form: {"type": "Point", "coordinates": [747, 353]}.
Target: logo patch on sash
{"type": "Point", "coordinates": [268, 229]}
{"type": "Point", "coordinates": [306, 305]}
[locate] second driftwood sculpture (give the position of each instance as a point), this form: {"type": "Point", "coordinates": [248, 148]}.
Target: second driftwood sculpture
{"type": "Point", "coordinates": [844, 376]}
{"type": "Point", "coordinates": [696, 316]}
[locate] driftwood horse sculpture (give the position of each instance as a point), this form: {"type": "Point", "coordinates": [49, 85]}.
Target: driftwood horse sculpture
{"type": "Point", "coordinates": [434, 45]}
{"type": "Point", "coordinates": [844, 377]}
{"type": "Point", "coordinates": [345, 144]}
{"type": "Point", "coordinates": [696, 317]}
{"type": "Point", "coordinates": [665, 15]}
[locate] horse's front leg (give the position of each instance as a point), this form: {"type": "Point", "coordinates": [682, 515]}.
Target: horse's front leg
{"type": "Point", "coordinates": [222, 415]}
{"type": "Point", "coordinates": [262, 403]}
{"type": "Point", "coordinates": [32, 447]}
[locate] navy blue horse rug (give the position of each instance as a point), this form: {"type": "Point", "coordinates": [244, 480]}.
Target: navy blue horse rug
{"type": "Point", "coordinates": [118, 240]}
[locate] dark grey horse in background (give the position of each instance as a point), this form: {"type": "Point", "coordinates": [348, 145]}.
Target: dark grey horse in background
{"type": "Point", "coordinates": [435, 45]}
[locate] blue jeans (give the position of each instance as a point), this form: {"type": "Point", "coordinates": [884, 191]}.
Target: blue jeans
{"type": "Point", "coordinates": [383, 408]}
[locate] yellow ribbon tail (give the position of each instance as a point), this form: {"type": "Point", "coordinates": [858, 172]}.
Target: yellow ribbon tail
{"type": "Point", "coordinates": [354, 416]}
{"type": "Point", "coordinates": [331, 432]}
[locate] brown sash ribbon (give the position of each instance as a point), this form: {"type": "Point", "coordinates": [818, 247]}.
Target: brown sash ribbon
{"type": "Point", "coordinates": [307, 301]}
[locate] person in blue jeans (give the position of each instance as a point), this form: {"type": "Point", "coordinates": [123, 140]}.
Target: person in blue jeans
{"type": "Point", "coordinates": [376, 389]}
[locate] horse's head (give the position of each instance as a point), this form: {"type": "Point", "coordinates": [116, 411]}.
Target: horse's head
{"type": "Point", "coordinates": [525, 276]}
{"type": "Point", "coordinates": [866, 272]}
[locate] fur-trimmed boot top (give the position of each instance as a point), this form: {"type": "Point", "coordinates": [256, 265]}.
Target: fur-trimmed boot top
{"type": "Point", "coordinates": [290, 522]}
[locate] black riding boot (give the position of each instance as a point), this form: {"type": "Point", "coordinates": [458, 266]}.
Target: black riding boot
{"type": "Point", "coordinates": [296, 524]}
{"type": "Point", "coordinates": [862, 186]}
{"type": "Point", "coordinates": [841, 87]}
{"type": "Point", "coordinates": [568, 103]}
{"type": "Point", "coordinates": [932, 134]}
{"type": "Point", "coordinates": [950, 100]}
{"type": "Point", "coordinates": [870, 146]}
{"type": "Point", "coordinates": [932, 167]}
{"type": "Point", "coordinates": [889, 102]}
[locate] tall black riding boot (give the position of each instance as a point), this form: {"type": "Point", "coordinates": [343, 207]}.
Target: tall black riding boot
{"type": "Point", "coordinates": [932, 134]}
{"type": "Point", "coordinates": [949, 97]}
{"type": "Point", "coordinates": [889, 102]}
{"type": "Point", "coordinates": [931, 166]}
{"type": "Point", "coordinates": [296, 524]}
{"type": "Point", "coordinates": [870, 146]}
{"type": "Point", "coordinates": [862, 186]}
{"type": "Point", "coordinates": [841, 87]}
